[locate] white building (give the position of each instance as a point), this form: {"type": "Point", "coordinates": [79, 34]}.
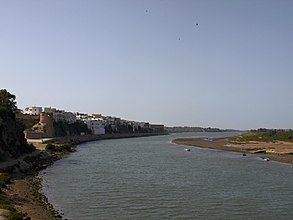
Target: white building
{"type": "Point", "coordinates": [49, 110]}
{"type": "Point", "coordinates": [95, 126]}
{"type": "Point", "coordinates": [61, 115]}
{"type": "Point", "coordinates": [81, 116]}
{"type": "Point", "coordinates": [33, 110]}
{"type": "Point", "coordinates": [67, 117]}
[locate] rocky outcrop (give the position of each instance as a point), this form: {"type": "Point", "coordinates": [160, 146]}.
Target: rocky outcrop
{"type": "Point", "coordinates": [30, 164]}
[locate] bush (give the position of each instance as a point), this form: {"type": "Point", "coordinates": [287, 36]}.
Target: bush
{"type": "Point", "coordinates": [50, 147]}
{"type": "Point", "coordinates": [58, 147]}
{"type": "Point", "coordinates": [31, 147]}
{"type": "Point", "coordinates": [14, 215]}
{"type": "Point", "coordinates": [4, 178]}
{"type": "Point", "coordinates": [31, 159]}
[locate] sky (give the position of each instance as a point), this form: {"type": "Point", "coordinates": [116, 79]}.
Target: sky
{"type": "Point", "coordinates": [208, 63]}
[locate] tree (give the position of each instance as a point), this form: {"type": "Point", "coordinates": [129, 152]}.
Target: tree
{"type": "Point", "coordinates": [7, 100]}
{"type": "Point", "coordinates": [12, 140]}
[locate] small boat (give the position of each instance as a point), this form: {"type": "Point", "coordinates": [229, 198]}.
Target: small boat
{"type": "Point", "coordinates": [243, 155]}
{"type": "Point", "coordinates": [266, 159]}
{"type": "Point", "coordinates": [187, 149]}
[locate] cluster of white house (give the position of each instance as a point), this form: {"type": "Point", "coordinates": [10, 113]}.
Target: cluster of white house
{"type": "Point", "coordinates": [58, 115]}
{"type": "Point", "coordinates": [95, 122]}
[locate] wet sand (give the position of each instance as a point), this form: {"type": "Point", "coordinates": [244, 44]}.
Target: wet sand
{"type": "Point", "coordinates": [25, 195]}
{"type": "Point", "coordinates": [278, 151]}
{"type": "Point", "coordinates": [23, 191]}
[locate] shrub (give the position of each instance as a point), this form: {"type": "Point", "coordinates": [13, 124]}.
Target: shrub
{"type": "Point", "coordinates": [31, 147]}
{"type": "Point", "coordinates": [58, 147]}
{"type": "Point", "coordinates": [4, 178]}
{"type": "Point", "coordinates": [31, 159]}
{"type": "Point", "coordinates": [50, 147]}
{"type": "Point", "coordinates": [14, 215]}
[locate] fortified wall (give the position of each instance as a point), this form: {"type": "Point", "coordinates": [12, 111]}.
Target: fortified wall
{"type": "Point", "coordinates": [43, 129]}
{"type": "Point", "coordinates": [46, 119]}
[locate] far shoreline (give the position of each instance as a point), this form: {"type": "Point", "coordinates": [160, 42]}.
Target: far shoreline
{"type": "Point", "coordinates": [224, 145]}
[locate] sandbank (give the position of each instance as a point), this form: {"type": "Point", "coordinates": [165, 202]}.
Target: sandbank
{"type": "Point", "coordinates": [278, 151]}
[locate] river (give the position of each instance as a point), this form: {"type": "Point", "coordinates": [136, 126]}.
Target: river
{"type": "Point", "coordinates": [150, 178]}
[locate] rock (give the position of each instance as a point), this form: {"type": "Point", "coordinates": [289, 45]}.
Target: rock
{"type": "Point", "coordinates": [24, 167]}
{"type": "Point", "coordinates": [44, 155]}
{"type": "Point", "coordinates": [16, 170]}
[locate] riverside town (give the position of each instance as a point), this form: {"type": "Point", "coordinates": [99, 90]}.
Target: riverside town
{"type": "Point", "coordinates": [50, 122]}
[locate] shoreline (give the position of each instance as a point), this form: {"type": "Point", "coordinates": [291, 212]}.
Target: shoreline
{"type": "Point", "coordinates": [24, 190]}
{"type": "Point", "coordinates": [279, 151]}
{"type": "Point", "coordinates": [27, 198]}
{"type": "Point", "coordinates": [79, 139]}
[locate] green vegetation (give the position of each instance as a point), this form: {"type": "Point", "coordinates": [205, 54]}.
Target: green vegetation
{"type": "Point", "coordinates": [14, 214]}
{"type": "Point", "coordinates": [30, 147]}
{"type": "Point", "coordinates": [264, 135]}
{"type": "Point", "coordinates": [6, 205]}
{"type": "Point", "coordinates": [4, 179]}
{"type": "Point", "coordinates": [31, 159]}
{"type": "Point", "coordinates": [63, 129]}
{"type": "Point", "coordinates": [54, 147]}
{"type": "Point", "coordinates": [195, 129]}
{"type": "Point", "coordinates": [12, 140]}
{"type": "Point", "coordinates": [7, 100]}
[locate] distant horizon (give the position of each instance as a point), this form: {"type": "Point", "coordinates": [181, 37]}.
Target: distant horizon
{"type": "Point", "coordinates": [210, 63]}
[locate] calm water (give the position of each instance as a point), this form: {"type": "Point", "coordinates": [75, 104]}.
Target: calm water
{"type": "Point", "coordinates": [149, 178]}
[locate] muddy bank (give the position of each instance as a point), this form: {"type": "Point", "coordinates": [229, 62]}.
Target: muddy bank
{"type": "Point", "coordinates": [23, 190]}
{"type": "Point", "coordinates": [26, 197]}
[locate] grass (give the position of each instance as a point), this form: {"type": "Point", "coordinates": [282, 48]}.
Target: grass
{"type": "Point", "coordinates": [14, 214]}
{"type": "Point", "coordinates": [265, 136]}
{"type": "Point", "coordinates": [6, 205]}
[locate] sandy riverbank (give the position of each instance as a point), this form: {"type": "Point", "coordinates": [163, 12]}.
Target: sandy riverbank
{"type": "Point", "coordinates": [278, 151]}
{"type": "Point", "coordinates": [25, 195]}
{"type": "Point", "coordinates": [23, 191]}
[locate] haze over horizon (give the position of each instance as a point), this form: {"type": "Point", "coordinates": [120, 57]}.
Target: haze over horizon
{"type": "Point", "coordinates": [211, 63]}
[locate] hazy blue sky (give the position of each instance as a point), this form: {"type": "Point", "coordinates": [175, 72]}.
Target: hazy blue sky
{"type": "Point", "coordinates": [149, 61]}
